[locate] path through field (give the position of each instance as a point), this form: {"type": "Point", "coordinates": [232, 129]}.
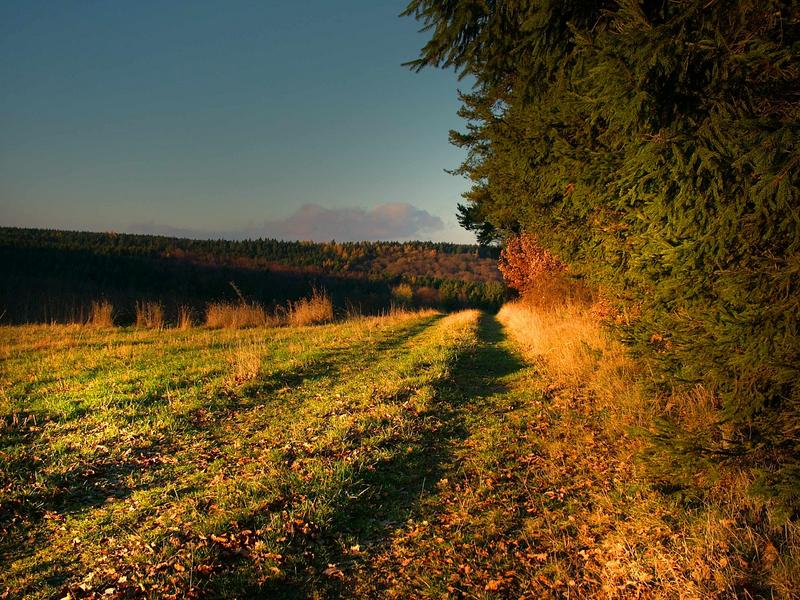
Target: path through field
{"type": "Point", "coordinates": [406, 456]}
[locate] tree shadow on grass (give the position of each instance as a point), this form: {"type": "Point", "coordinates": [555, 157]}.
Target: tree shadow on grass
{"type": "Point", "coordinates": [390, 492]}
{"type": "Point", "coordinates": [104, 477]}
{"type": "Point", "coordinates": [331, 363]}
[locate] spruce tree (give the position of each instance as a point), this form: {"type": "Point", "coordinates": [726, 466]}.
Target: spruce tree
{"type": "Point", "coordinates": [654, 146]}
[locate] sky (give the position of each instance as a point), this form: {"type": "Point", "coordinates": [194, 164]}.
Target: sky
{"type": "Point", "coordinates": [225, 118]}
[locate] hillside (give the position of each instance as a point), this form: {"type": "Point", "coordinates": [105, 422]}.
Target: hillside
{"type": "Point", "coordinates": [55, 275]}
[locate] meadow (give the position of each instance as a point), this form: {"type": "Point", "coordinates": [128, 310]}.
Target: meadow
{"type": "Point", "coordinates": [415, 454]}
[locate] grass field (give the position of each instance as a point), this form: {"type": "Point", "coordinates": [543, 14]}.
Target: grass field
{"type": "Point", "coordinates": [413, 455]}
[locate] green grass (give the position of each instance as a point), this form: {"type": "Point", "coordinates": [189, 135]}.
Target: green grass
{"type": "Point", "coordinates": [408, 456]}
{"type": "Point", "coordinates": [212, 461]}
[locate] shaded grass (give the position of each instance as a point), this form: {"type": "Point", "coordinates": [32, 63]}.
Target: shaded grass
{"type": "Point", "coordinates": [409, 456]}
{"type": "Point", "coordinates": [538, 497]}
{"type": "Point", "coordinates": [167, 435]}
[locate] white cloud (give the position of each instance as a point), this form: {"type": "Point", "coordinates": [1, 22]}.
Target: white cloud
{"type": "Point", "coordinates": [389, 221]}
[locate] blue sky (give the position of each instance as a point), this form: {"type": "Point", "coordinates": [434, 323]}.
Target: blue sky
{"type": "Point", "coordinates": [232, 118]}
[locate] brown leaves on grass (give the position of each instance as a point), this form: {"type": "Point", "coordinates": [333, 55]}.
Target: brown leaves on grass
{"type": "Point", "coordinates": [540, 504]}
{"type": "Point", "coordinates": [183, 563]}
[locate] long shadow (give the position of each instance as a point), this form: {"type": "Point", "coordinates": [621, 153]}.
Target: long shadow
{"type": "Point", "coordinates": [396, 486]}
{"type": "Point", "coordinates": [329, 364]}
{"type": "Point", "coordinates": [325, 366]}
{"type": "Point", "coordinates": [85, 488]}
{"type": "Point", "coordinates": [100, 478]}
{"type": "Point", "coordinates": [93, 484]}
{"type": "Point", "coordinates": [79, 489]}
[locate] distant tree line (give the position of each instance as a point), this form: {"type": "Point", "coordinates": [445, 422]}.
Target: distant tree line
{"type": "Point", "coordinates": [433, 259]}
{"type": "Point", "coordinates": [55, 275]}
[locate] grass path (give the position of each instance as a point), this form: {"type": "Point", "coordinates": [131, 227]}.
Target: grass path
{"type": "Point", "coordinates": [534, 496]}
{"type": "Point", "coordinates": [410, 457]}
{"type": "Point", "coordinates": [463, 538]}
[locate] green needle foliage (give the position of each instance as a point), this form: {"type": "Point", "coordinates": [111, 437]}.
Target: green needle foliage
{"type": "Point", "coordinates": [653, 146]}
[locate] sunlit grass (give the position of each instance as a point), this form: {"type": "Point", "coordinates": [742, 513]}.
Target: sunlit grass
{"type": "Point", "coordinates": [410, 455]}
{"type": "Point", "coordinates": [715, 543]}
{"type": "Point", "coordinates": [126, 449]}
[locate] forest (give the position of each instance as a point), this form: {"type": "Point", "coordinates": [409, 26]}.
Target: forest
{"type": "Point", "coordinates": [54, 276]}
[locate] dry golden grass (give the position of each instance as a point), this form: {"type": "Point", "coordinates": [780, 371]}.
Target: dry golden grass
{"type": "Point", "coordinates": [306, 311]}
{"type": "Point", "coordinates": [392, 315]}
{"type": "Point", "coordinates": [577, 352]}
{"type": "Point", "coordinates": [310, 311]}
{"type": "Point", "coordinates": [101, 314]}
{"type": "Point", "coordinates": [185, 320]}
{"type": "Point", "coordinates": [401, 312]}
{"type": "Point", "coordinates": [245, 360]}
{"type": "Point", "coordinates": [149, 315]}
{"type": "Point", "coordinates": [231, 315]}
{"type": "Point", "coordinates": [727, 538]}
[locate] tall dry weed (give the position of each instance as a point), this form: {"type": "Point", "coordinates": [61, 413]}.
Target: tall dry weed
{"type": "Point", "coordinates": [101, 314]}
{"type": "Point", "coordinates": [310, 311]}
{"type": "Point", "coordinates": [400, 312]}
{"type": "Point", "coordinates": [245, 361]}
{"type": "Point", "coordinates": [231, 315]}
{"type": "Point", "coordinates": [353, 312]}
{"type": "Point", "coordinates": [149, 315]}
{"type": "Point", "coordinates": [185, 319]}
